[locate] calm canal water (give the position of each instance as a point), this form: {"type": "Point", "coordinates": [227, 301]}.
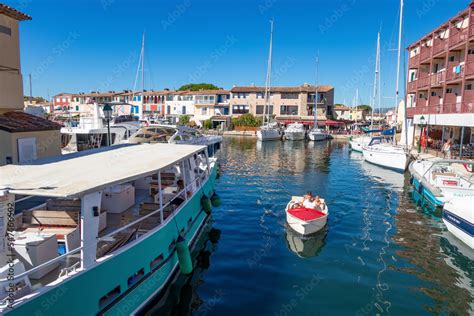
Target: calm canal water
{"type": "Point", "coordinates": [378, 255]}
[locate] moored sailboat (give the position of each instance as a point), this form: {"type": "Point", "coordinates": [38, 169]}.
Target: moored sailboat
{"type": "Point", "coordinates": [268, 130]}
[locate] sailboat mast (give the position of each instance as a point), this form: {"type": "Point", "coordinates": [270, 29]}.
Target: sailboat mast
{"type": "Point", "coordinates": [376, 81]}
{"type": "Point", "coordinates": [316, 94]}
{"type": "Point", "coordinates": [268, 78]}
{"type": "Point", "coordinates": [143, 77]}
{"type": "Point", "coordinates": [397, 83]}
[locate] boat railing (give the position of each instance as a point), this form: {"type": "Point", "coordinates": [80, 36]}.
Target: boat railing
{"type": "Point", "coordinates": [198, 181]}
{"type": "Point", "coordinates": [41, 266]}
{"type": "Point", "coordinates": [449, 162]}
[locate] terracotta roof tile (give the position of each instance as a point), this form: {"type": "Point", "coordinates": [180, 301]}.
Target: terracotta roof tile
{"type": "Point", "coordinates": [13, 13]}
{"type": "Point", "coordinates": [18, 121]}
{"type": "Point", "coordinates": [305, 88]}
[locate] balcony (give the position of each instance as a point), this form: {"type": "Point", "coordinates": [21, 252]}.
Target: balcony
{"type": "Point", "coordinates": [424, 81]}
{"type": "Point", "coordinates": [470, 65]}
{"type": "Point", "coordinates": [414, 61]}
{"type": "Point", "coordinates": [425, 53]}
{"type": "Point", "coordinates": [454, 71]}
{"type": "Point", "coordinates": [412, 86]}
{"type": "Point", "coordinates": [458, 108]}
{"type": "Point", "coordinates": [438, 79]}
{"type": "Point", "coordinates": [468, 96]}
{"type": "Point", "coordinates": [434, 100]}
{"type": "Point", "coordinates": [457, 36]}
{"type": "Point", "coordinates": [450, 98]}
{"type": "Point", "coordinates": [422, 110]}
{"type": "Point", "coordinates": [439, 46]}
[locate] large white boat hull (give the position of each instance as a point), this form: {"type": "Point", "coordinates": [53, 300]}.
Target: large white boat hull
{"type": "Point", "coordinates": [458, 216]}
{"type": "Point", "coordinates": [396, 160]}
{"type": "Point", "coordinates": [268, 134]}
{"type": "Point", "coordinates": [358, 143]}
{"type": "Point", "coordinates": [306, 228]}
{"type": "Point", "coordinates": [294, 135]}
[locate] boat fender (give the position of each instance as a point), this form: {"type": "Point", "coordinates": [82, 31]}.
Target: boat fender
{"type": "Point", "coordinates": [184, 256]}
{"type": "Point", "coordinates": [214, 235]}
{"type": "Point", "coordinates": [215, 200]}
{"type": "Point", "coordinates": [206, 204]}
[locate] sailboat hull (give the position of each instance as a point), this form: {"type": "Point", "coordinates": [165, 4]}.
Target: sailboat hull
{"type": "Point", "coordinates": [294, 135]}
{"type": "Point", "coordinates": [317, 136]}
{"type": "Point", "coordinates": [377, 155]}
{"type": "Point", "coordinates": [268, 134]}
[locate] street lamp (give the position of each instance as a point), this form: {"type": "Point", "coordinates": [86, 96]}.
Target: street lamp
{"type": "Point", "coordinates": [422, 124]}
{"type": "Point", "coordinates": [108, 117]}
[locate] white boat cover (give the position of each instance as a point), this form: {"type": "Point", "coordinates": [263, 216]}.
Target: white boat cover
{"type": "Point", "coordinates": [77, 174]}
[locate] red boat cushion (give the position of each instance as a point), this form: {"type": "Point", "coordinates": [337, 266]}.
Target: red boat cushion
{"type": "Point", "coordinates": [306, 214]}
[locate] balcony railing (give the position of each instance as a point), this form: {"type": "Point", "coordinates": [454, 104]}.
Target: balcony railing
{"type": "Point", "coordinates": [434, 100]}
{"type": "Point", "coordinates": [425, 53]}
{"type": "Point", "coordinates": [449, 108]}
{"type": "Point", "coordinates": [439, 46]}
{"type": "Point", "coordinates": [414, 61]}
{"type": "Point", "coordinates": [470, 68]}
{"type": "Point", "coordinates": [458, 36]}
{"type": "Point", "coordinates": [424, 82]}
{"type": "Point", "coordinates": [455, 71]}
{"type": "Point", "coordinates": [438, 79]}
{"type": "Point", "coordinates": [468, 96]}
{"type": "Point", "coordinates": [412, 86]}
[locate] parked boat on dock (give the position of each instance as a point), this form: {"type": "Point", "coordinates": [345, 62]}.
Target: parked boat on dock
{"type": "Point", "coordinates": [116, 227]}
{"type": "Point", "coordinates": [437, 182]}
{"type": "Point", "coordinates": [381, 152]}
{"type": "Point", "coordinates": [306, 221]}
{"type": "Point", "coordinates": [295, 131]}
{"type": "Point", "coordinates": [173, 134]}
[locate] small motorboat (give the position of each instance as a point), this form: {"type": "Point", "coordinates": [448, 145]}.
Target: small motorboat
{"type": "Point", "coordinates": [306, 221]}
{"type": "Point", "coordinates": [458, 216]}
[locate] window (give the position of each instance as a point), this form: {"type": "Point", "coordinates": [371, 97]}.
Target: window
{"type": "Point", "coordinates": [77, 107]}
{"type": "Point", "coordinates": [5, 30]}
{"type": "Point", "coordinates": [412, 77]}
{"type": "Point", "coordinates": [269, 109]}
{"type": "Point", "coordinates": [468, 86]}
{"type": "Point", "coordinates": [156, 262]}
{"type": "Point", "coordinates": [168, 109]}
{"type": "Point", "coordinates": [240, 109]}
{"type": "Point", "coordinates": [183, 110]}
{"type": "Point", "coordinates": [205, 99]}
{"type": "Point", "coordinates": [240, 95]}
{"type": "Point", "coordinates": [434, 93]}
{"type": "Point", "coordinates": [289, 110]}
{"type": "Point", "coordinates": [136, 277]}
{"type": "Point", "coordinates": [289, 96]}
{"type": "Point", "coordinates": [58, 99]}
{"type": "Point", "coordinates": [451, 58]}
{"type": "Point", "coordinates": [204, 111]}
{"type": "Point", "coordinates": [109, 297]}
{"type": "Point", "coordinates": [171, 246]}
{"type": "Point", "coordinates": [449, 90]}
{"type": "Point", "coordinates": [64, 99]}
{"type": "Point", "coordinates": [470, 51]}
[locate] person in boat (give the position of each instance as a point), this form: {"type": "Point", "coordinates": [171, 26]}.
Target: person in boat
{"type": "Point", "coordinates": [310, 203]}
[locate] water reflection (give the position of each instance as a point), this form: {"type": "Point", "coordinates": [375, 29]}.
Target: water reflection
{"type": "Point", "coordinates": [433, 260]}
{"type": "Point", "coordinates": [182, 297]}
{"type": "Point", "coordinates": [306, 246]}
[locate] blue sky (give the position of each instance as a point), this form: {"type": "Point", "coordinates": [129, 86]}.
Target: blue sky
{"type": "Point", "coordinates": [79, 46]}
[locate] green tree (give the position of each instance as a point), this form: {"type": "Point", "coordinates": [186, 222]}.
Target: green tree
{"type": "Point", "coordinates": [198, 86]}
{"type": "Point", "coordinates": [247, 120]}
{"type": "Point", "coordinates": [207, 124]}
{"type": "Point", "coordinates": [184, 119]}
{"type": "Point", "coordinates": [364, 107]}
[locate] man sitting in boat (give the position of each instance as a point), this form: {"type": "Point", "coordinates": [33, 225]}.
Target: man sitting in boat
{"type": "Point", "coordinates": [309, 201]}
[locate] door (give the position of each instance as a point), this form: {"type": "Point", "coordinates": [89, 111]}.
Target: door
{"type": "Point", "coordinates": [26, 149]}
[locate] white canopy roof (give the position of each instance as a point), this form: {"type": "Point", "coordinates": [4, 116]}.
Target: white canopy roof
{"type": "Point", "coordinates": [76, 174]}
